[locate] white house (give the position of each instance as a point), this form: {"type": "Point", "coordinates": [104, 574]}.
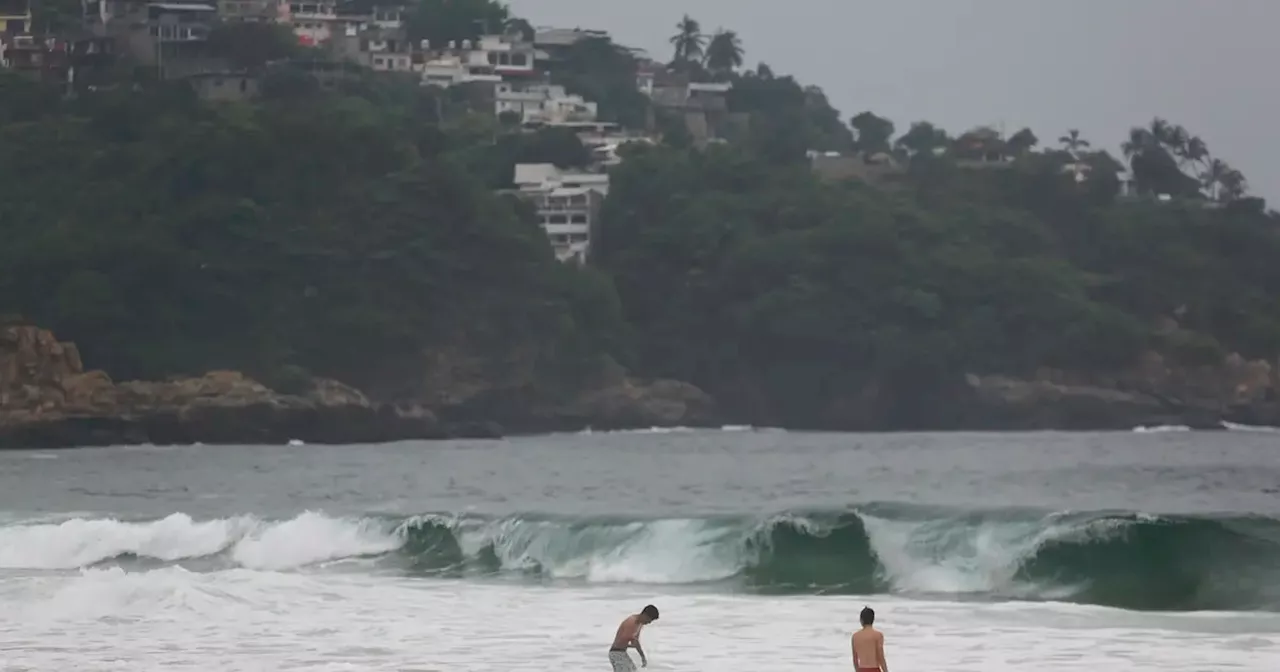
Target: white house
{"type": "Point", "coordinates": [447, 70]}
{"type": "Point", "coordinates": [314, 22]}
{"type": "Point", "coordinates": [542, 103]}
{"type": "Point", "coordinates": [568, 205]}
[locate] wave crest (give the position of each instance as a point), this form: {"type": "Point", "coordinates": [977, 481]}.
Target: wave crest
{"type": "Point", "coordinates": [1116, 559]}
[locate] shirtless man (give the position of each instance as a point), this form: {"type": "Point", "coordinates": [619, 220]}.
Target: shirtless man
{"type": "Point", "coordinates": [629, 637]}
{"type": "Point", "coordinates": [868, 645]}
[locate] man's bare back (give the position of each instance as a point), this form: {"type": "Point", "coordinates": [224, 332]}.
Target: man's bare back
{"type": "Point", "coordinates": [868, 645]}
{"type": "Point", "coordinates": [628, 637]}
{"type": "Point", "coordinates": [628, 632]}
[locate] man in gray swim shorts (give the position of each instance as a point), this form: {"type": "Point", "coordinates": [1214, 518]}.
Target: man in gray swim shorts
{"type": "Point", "coordinates": [629, 637]}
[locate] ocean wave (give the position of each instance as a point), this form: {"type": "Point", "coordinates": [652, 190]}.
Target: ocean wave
{"type": "Point", "coordinates": [1120, 559]}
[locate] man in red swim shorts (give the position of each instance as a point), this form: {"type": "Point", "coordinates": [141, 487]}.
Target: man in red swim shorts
{"type": "Point", "coordinates": [868, 645]}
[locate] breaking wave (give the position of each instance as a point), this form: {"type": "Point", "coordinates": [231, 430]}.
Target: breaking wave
{"type": "Point", "coordinates": [1119, 559]}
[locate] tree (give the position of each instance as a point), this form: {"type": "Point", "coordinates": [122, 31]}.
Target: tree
{"type": "Point", "coordinates": [873, 133]}
{"type": "Point", "coordinates": [1021, 142]}
{"type": "Point", "coordinates": [922, 139]}
{"type": "Point", "coordinates": [444, 21]}
{"type": "Point", "coordinates": [724, 52]}
{"type": "Point", "coordinates": [688, 42]}
{"type": "Point", "coordinates": [1073, 143]}
{"type": "Point", "coordinates": [600, 70]}
{"type": "Point", "coordinates": [521, 28]}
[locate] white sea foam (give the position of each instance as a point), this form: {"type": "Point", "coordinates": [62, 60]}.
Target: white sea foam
{"type": "Point", "coordinates": [307, 539]}
{"type": "Point", "coordinates": [1161, 429]}
{"type": "Point", "coordinates": [242, 620]}
{"type": "Point", "coordinates": [1260, 429]}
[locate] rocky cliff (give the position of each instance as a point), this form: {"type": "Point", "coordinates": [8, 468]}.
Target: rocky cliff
{"type": "Point", "coordinates": [48, 399]}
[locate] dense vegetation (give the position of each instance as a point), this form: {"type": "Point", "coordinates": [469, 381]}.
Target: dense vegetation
{"type": "Point", "coordinates": [326, 232]}
{"type": "Point", "coordinates": [345, 232]}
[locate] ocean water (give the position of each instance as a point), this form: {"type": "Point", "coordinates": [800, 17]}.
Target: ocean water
{"type": "Point", "coordinates": [1150, 550]}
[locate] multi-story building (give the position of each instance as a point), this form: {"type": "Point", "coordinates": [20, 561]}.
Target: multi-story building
{"type": "Point", "coordinates": [169, 36]}
{"type": "Point", "coordinates": [567, 206]}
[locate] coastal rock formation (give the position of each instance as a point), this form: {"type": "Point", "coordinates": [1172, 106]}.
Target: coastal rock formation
{"type": "Point", "coordinates": [474, 391]}
{"type": "Point", "coordinates": [632, 403]}
{"type": "Point", "coordinates": [47, 399]}
{"type": "Point", "coordinates": [1153, 392]}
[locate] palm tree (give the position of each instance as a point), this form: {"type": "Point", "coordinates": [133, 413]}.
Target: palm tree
{"type": "Point", "coordinates": [689, 42]}
{"type": "Point", "coordinates": [1195, 152]}
{"type": "Point", "coordinates": [1213, 177]}
{"type": "Point", "coordinates": [1073, 143]}
{"type": "Point", "coordinates": [724, 52]}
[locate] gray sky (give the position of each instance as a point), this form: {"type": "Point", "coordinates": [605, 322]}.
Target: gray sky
{"type": "Point", "coordinates": [1097, 65]}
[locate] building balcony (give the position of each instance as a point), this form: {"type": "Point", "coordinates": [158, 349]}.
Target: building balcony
{"type": "Point", "coordinates": [567, 229]}
{"type": "Point", "coordinates": [311, 11]}
{"type": "Point", "coordinates": [172, 32]}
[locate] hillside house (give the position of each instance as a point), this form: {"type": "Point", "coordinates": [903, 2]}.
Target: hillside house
{"type": "Point", "coordinates": [982, 147]}
{"type": "Point", "coordinates": [314, 22]}
{"type": "Point", "coordinates": [546, 103]}
{"type": "Point", "coordinates": [567, 205]}
{"type": "Point", "coordinates": [171, 37]}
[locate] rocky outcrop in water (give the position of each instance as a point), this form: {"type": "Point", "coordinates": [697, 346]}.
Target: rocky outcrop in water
{"type": "Point", "coordinates": [48, 399]}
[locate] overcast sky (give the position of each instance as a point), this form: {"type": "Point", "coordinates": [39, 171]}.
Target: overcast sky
{"type": "Point", "coordinates": [1098, 65]}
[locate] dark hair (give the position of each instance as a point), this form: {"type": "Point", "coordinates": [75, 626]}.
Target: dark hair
{"type": "Point", "coordinates": [650, 611]}
{"type": "Point", "coordinates": [868, 616]}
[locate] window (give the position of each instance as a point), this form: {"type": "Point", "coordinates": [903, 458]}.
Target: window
{"type": "Point", "coordinates": [579, 219]}
{"type": "Point", "coordinates": [557, 219]}
{"type": "Point", "coordinates": [493, 58]}
{"type": "Point", "coordinates": [520, 60]}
